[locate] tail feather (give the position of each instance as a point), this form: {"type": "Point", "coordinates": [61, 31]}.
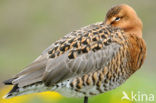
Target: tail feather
{"type": "Point", "coordinates": [25, 81]}
{"type": "Point", "coordinates": [30, 78]}
{"type": "Point", "coordinates": [13, 90]}
{"type": "Point", "coordinates": [34, 88]}
{"type": "Point", "coordinates": [9, 81]}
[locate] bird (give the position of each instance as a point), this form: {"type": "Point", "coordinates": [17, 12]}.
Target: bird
{"type": "Point", "coordinates": [89, 61]}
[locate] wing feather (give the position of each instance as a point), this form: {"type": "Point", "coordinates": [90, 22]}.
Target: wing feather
{"type": "Point", "coordinates": [53, 70]}
{"type": "Point", "coordinates": [63, 68]}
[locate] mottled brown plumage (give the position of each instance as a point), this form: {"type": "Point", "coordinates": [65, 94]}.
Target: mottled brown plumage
{"type": "Point", "coordinates": [92, 60]}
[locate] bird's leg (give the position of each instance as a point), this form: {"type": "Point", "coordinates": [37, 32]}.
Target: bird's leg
{"type": "Point", "coordinates": [85, 99]}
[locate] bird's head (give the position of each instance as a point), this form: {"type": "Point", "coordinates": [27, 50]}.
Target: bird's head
{"type": "Point", "coordinates": [124, 17]}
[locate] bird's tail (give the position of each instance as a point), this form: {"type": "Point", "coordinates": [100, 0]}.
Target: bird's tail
{"type": "Point", "coordinates": [29, 80]}
{"type": "Point", "coordinates": [17, 91]}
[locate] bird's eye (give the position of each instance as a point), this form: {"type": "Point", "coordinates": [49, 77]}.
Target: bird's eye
{"type": "Point", "coordinates": [117, 18]}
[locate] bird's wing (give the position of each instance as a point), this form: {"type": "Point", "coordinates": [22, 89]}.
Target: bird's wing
{"type": "Point", "coordinates": [36, 69]}
{"type": "Point", "coordinates": [83, 54]}
{"type": "Point", "coordinates": [63, 68]}
{"type": "Point", "coordinates": [79, 52]}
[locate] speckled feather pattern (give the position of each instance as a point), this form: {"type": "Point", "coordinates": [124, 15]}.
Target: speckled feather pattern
{"type": "Point", "coordinates": [105, 53]}
{"type": "Point", "coordinates": [93, 37]}
{"type": "Point", "coordinates": [81, 50]}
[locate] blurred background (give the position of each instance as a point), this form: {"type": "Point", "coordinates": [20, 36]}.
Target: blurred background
{"type": "Point", "coordinates": [27, 27]}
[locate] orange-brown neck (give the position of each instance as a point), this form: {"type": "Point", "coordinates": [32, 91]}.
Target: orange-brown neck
{"type": "Point", "coordinates": [135, 31]}
{"type": "Point", "coordinates": [137, 50]}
